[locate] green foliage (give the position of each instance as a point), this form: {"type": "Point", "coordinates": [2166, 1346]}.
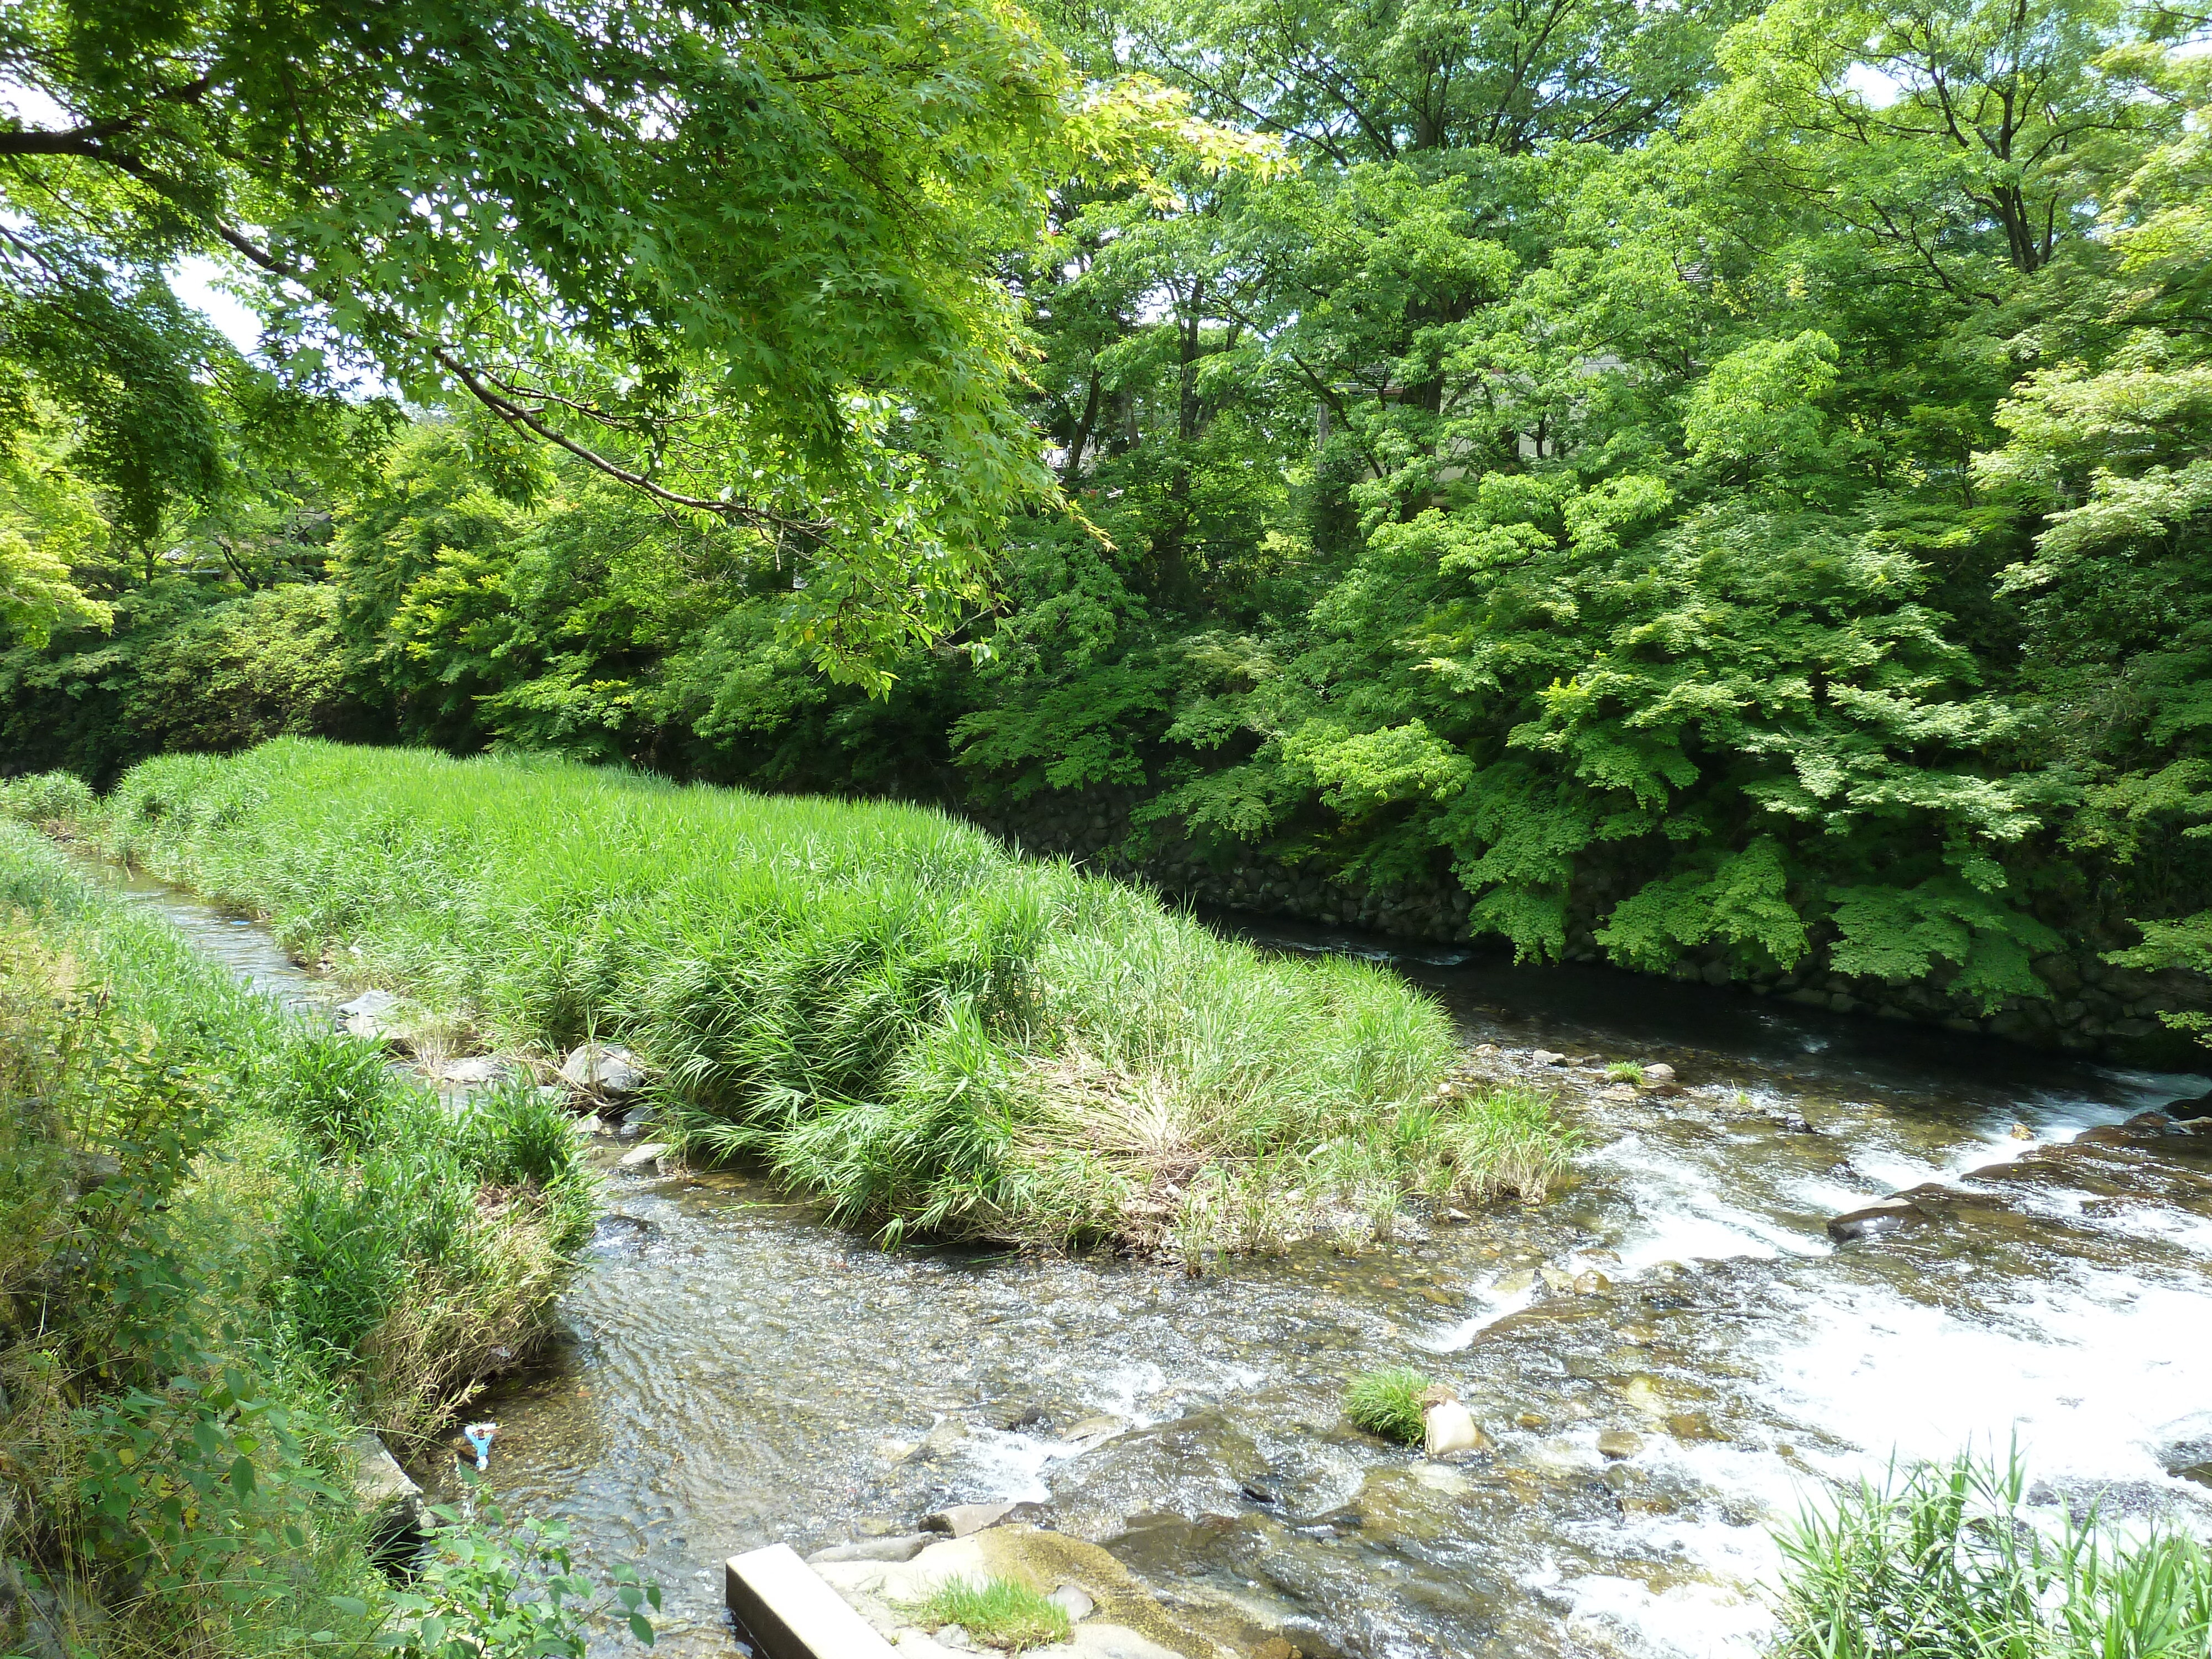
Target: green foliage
{"type": "Point", "coordinates": [1947, 1559]}
{"type": "Point", "coordinates": [1605, 459]}
{"type": "Point", "coordinates": [1389, 1403]}
{"type": "Point", "coordinates": [887, 1005]}
{"type": "Point", "coordinates": [490, 1587]}
{"type": "Point", "coordinates": [177, 1440]}
{"type": "Point", "coordinates": [997, 1612]}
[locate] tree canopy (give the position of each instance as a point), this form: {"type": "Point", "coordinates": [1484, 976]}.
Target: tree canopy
{"type": "Point", "coordinates": [1724, 488]}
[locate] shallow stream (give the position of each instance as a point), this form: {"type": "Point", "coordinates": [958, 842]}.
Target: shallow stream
{"type": "Point", "coordinates": [732, 1372]}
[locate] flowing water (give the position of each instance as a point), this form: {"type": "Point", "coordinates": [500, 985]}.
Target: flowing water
{"type": "Point", "coordinates": [732, 1372]}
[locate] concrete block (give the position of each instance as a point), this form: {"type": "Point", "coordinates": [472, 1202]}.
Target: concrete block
{"type": "Point", "coordinates": [791, 1613]}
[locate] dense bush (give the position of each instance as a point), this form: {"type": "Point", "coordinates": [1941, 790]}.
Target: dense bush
{"type": "Point", "coordinates": [881, 1001]}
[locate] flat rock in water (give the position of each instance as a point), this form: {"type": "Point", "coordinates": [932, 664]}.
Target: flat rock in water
{"type": "Point", "coordinates": [1547, 1057]}
{"type": "Point", "coordinates": [1889, 1216]}
{"type": "Point", "coordinates": [473, 1072]}
{"type": "Point", "coordinates": [1659, 1073]}
{"type": "Point", "coordinates": [939, 1442]}
{"type": "Point", "coordinates": [1451, 1430]}
{"type": "Point", "coordinates": [369, 1004]}
{"type": "Point", "coordinates": [646, 1154]}
{"type": "Point", "coordinates": [961, 1519]}
{"type": "Point", "coordinates": [1617, 1443]}
{"type": "Point", "coordinates": [903, 1549]}
{"type": "Point", "coordinates": [602, 1069]}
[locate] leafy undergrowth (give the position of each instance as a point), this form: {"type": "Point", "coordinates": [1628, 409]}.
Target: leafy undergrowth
{"type": "Point", "coordinates": [997, 1612]}
{"type": "Point", "coordinates": [1389, 1403]}
{"type": "Point", "coordinates": [226, 1241]}
{"type": "Point", "coordinates": [1948, 1559]}
{"type": "Point", "coordinates": [886, 1005]}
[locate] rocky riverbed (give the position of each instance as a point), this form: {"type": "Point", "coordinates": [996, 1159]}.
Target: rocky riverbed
{"type": "Point", "coordinates": [1670, 1356]}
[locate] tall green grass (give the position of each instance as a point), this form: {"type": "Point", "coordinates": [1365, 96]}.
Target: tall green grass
{"type": "Point", "coordinates": [1944, 1559]}
{"type": "Point", "coordinates": [884, 1003]}
{"type": "Point", "coordinates": [225, 1239]}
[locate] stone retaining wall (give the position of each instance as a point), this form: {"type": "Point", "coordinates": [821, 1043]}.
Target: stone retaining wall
{"type": "Point", "coordinates": [2096, 1009]}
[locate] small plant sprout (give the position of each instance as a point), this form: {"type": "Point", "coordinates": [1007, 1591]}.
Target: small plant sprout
{"type": "Point", "coordinates": [1625, 1070]}
{"type": "Point", "coordinates": [1389, 1403]}
{"type": "Point", "coordinates": [997, 1612]}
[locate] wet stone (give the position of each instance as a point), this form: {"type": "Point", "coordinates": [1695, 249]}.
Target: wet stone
{"type": "Point", "coordinates": [1073, 1601]}
{"type": "Point", "coordinates": [603, 1069]}
{"type": "Point", "coordinates": [896, 1548]}
{"type": "Point", "coordinates": [1875, 1220]}
{"type": "Point", "coordinates": [962, 1519]}
{"type": "Point", "coordinates": [1619, 1443]}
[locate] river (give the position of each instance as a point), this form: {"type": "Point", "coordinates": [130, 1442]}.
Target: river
{"type": "Point", "coordinates": [732, 1372]}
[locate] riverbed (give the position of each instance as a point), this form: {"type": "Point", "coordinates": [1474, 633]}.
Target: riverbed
{"type": "Point", "coordinates": [732, 1372]}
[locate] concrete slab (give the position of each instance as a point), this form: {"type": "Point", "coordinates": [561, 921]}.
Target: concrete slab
{"type": "Point", "coordinates": [791, 1613]}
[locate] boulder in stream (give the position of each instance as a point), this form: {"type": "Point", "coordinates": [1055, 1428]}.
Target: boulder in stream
{"type": "Point", "coordinates": [369, 1016]}
{"type": "Point", "coordinates": [474, 1072]}
{"type": "Point", "coordinates": [1547, 1057]}
{"type": "Point", "coordinates": [602, 1069]}
{"type": "Point", "coordinates": [2196, 1106]}
{"type": "Point", "coordinates": [1661, 1072]}
{"type": "Point", "coordinates": [1451, 1427]}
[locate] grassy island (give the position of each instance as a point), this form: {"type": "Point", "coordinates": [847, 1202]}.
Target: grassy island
{"type": "Point", "coordinates": [884, 1003]}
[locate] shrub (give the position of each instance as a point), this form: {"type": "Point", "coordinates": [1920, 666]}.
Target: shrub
{"type": "Point", "coordinates": [1389, 1403]}
{"type": "Point", "coordinates": [997, 1612]}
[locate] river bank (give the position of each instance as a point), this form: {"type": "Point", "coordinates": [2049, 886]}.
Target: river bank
{"type": "Point", "coordinates": [238, 1247]}
{"type": "Point", "coordinates": [730, 1371]}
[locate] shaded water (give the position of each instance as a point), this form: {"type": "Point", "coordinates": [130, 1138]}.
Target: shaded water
{"type": "Point", "coordinates": [732, 1372]}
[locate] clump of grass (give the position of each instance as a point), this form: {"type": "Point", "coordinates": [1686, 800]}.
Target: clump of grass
{"type": "Point", "coordinates": [1944, 1558]}
{"type": "Point", "coordinates": [1625, 1070]}
{"type": "Point", "coordinates": [997, 1612]}
{"type": "Point", "coordinates": [1389, 1403]}
{"type": "Point", "coordinates": [884, 1003]}
{"type": "Point", "coordinates": [52, 800]}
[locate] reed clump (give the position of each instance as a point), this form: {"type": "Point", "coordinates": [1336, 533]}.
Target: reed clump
{"type": "Point", "coordinates": [1948, 1558]}
{"type": "Point", "coordinates": [883, 1004]}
